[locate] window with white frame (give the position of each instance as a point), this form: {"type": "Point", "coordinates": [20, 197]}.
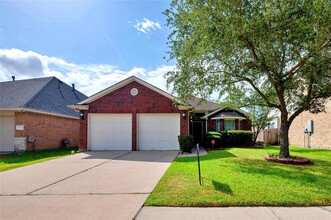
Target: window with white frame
{"type": "Point", "coordinates": [229, 124]}
{"type": "Point", "coordinates": [218, 125]}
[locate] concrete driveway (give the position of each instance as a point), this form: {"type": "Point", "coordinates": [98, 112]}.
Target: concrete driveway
{"type": "Point", "coordinates": [90, 185]}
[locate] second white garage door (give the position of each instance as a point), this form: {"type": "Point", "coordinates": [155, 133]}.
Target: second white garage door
{"type": "Point", "coordinates": [110, 131]}
{"type": "Point", "coordinates": [158, 131]}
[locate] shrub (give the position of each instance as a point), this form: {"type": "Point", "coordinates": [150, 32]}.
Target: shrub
{"type": "Point", "coordinates": [185, 143]}
{"type": "Point", "coordinates": [213, 135]}
{"type": "Point", "coordinates": [236, 138]}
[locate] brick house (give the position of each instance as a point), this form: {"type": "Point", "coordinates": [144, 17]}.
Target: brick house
{"type": "Point", "coordinates": [321, 135]}
{"type": "Point", "coordinates": [134, 115]}
{"type": "Point", "coordinates": [211, 116]}
{"type": "Point", "coordinates": [38, 108]}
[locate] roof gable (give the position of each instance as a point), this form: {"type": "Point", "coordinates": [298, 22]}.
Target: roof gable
{"type": "Point", "coordinates": [55, 97]}
{"type": "Point", "coordinates": [218, 113]}
{"type": "Point", "coordinates": [43, 94]}
{"type": "Point", "coordinates": [120, 85]}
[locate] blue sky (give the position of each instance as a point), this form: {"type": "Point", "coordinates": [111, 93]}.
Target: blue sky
{"type": "Point", "coordinates": [91, 43]}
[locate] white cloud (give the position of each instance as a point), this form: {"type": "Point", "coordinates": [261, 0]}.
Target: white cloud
{"type": "Point", "coordinates": [146, 26]}
{"type": "Point", "coordinates": [89, 79]}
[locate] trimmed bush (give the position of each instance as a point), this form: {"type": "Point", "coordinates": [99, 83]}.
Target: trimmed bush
{"type": "Point", "coordinates": [237, 138]}
{"type": "Point", "coordinates": [185, 143]}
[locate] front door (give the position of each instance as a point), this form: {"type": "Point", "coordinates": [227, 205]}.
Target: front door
{"type": "Point", "coordinates": [198, 132]}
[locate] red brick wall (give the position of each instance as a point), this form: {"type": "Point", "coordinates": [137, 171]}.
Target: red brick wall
{"type": "Point", "coordinates": [121, 101]}
{"type": "Point", "coordinates": [49, 130]}
{"type": "Point", "coordinates": [246, 125]}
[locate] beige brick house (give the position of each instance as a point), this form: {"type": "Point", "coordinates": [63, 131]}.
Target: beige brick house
{"type": "Point", "coordinates": [321, 136]}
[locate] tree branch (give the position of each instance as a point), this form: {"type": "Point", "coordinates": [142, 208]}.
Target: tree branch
{"type": "Point", "coordinates": [262, 62]}
{"type": "Point", "coordinates": [249, 45]}
{"type": "Point", "coordinates": [304, 60]}
{"type": "Point", "coordinates": [295, 114]}
{"type": "Point", "coordinates": [305, 105]}
{"type": "Point", "coordinates": [260, 93]}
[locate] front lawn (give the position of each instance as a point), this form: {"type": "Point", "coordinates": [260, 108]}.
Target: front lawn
{"type": "Point", "coordinates": [12, 160]}
{"type": "Point", "coordinates": [241, 177]}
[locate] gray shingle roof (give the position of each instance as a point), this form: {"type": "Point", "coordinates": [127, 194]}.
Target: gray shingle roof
{"type": "Point", "coordinates": [43, 94]}
{"type": "Point", "coordinates": [204, 105]}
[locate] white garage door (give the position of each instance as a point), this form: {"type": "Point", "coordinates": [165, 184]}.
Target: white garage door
{"type": "Point", "coordinates": [158, 131]}
{"type": "Point", "coordinates": [110, 131]}
{"type": "Point", "coordinates": [6, 133]}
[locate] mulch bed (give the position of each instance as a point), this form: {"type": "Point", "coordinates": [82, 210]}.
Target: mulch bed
{"type": "Point", "coordinates": [299, 161]}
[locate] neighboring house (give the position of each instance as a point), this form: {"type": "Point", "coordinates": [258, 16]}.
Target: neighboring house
{"type": "Point", "coordinates": [211, 116]}
{"type": "Point", "coordinates": [38, 108]}
{"type": "Point", "coordinates": [321, 129]}
{"type": "Point", "coordinates": [135, 115]}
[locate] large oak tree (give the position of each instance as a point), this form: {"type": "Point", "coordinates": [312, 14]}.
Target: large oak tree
{"type": "Point", "coordinates": [278, 50]}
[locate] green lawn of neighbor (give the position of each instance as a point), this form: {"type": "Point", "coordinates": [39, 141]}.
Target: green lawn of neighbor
{"type": "Point", "coordinates": [12, 160]}
{"type": "Point", "coordinates": [241, 177]}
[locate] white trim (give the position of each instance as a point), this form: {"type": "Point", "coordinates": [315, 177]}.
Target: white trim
{"type": "Point", "coordinates": [78, 107]}
{"type": "Point", "coordinates": [37, 111]}
{"type": "Point", "coordinates": [121, 84]}
{"type": "Point", "coordinates": [185, 107]}
{"type": "Point", "coordinates": [228, 117]}
{"type": "Point", "coordinates": [222, 108]}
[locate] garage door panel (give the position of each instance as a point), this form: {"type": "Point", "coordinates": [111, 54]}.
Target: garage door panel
{"type": "Point", "coordinates": [6, 133]}
{"type": "Point", "coordinates": [158, 131]}
{"type": "Point", "coordinates": [110, 131]}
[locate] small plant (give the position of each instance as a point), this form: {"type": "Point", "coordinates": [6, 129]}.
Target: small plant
{"type": "Point", "coordinates": [213, 136]}
{"type": "Point", "coordinates": [185, 143]}
{"type": "Point", "coordinates": [277, 156]}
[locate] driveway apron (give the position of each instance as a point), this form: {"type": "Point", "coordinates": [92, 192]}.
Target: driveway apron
{"type": "Point", "coordinates": [90, 185]}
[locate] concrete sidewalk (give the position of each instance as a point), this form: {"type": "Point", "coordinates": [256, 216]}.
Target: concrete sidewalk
{"type": "Point", "coordinates": [244, 213]}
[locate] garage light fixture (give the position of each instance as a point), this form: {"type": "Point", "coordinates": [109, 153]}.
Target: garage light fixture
{"type": "Point", "coordinates": [81, 115]}
{"type": "Point", "coordinates": [183, 115]}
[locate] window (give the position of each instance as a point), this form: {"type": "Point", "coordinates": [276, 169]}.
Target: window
{"type": "Point", "coordinates": [229, 125]}
{"type": "Point", "coordinates": [272, 125]}
{"type": "Point", "coordinates": [218, 125]}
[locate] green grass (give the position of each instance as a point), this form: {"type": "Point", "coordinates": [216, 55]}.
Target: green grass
{"type": "Point", "coordinates": [241, 177]}
{"type": "Point", "coordinates": [12, 161]}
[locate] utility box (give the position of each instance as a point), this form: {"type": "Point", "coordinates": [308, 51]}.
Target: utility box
{"type": "Point", "coordinates": [310, 126]}
{"type": "Point", "coordinates": [20, 143]}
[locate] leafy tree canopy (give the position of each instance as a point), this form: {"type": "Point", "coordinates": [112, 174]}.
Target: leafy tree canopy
{"type": "Point", "coordinates": [278, 50]}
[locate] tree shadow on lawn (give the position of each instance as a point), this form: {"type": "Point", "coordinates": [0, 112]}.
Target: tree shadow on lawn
{"type": "Point", "coordinates": [224, 188]}
{"type": "Point", "coordinates": [212, 155]}
{"type": "Point", "coordinates": [302, 174]}
{"type": "Point", "coordinates": [307, 150]}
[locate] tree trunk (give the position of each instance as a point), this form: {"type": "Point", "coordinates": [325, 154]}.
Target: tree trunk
{"type": "Point", "coordinates": [254, 140]}
{"type": "Point", "coordinates": [283, 136]}
{"type": "Point", "coordinates": [257, 131]}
